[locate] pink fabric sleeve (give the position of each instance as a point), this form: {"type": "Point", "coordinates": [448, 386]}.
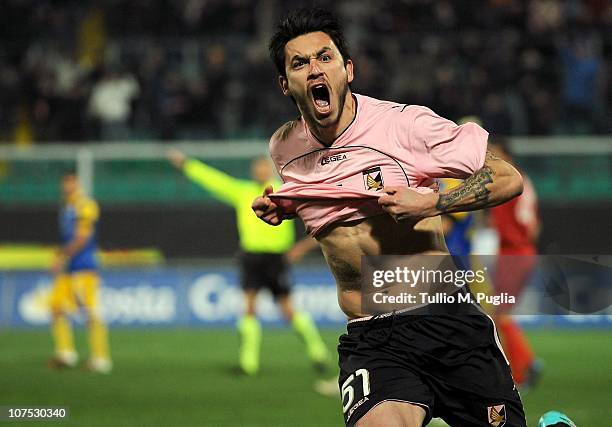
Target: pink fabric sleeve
{"type": "Point", "coordinates": [443, 149]}
{"type": "Point", "coordinates": [274, 154]}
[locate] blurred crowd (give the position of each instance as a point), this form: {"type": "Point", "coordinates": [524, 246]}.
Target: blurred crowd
{"type": "Point", "coordinates": [192, 69]}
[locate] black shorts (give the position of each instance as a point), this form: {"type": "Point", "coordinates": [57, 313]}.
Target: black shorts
{"type": "Point", "coordinates": [449, 364]}
{"type": "Point", "coordinates": [265, 271]}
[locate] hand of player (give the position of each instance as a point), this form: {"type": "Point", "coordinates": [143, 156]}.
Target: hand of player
{"type": "Point", "coordinates": [266, 209]}
{"type": "Point", "coordinates": [176, 157]}
{"type": "Point", "coordinates": [294, 255]}
{"type": "Point", "coordinates": [300, 249]}
{"type": "Point", "coordinates": [404, 203]}
{"type": "Point", "coordinates": [297, 253]}
{"type": "Point", "coordinates": [58, 264]}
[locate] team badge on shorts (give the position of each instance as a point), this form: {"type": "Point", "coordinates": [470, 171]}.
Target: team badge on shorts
{"type": "Point", "coordinates": [497, 415]}
{"type": "Point", "coordinates": [372, 179]}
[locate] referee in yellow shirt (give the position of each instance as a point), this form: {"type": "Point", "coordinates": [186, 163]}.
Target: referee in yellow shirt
{"type": "Point", "coordinates": [266, 252]}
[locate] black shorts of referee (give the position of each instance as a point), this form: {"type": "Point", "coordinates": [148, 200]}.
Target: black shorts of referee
{"type": "Point", "coordinates": [265, 271]}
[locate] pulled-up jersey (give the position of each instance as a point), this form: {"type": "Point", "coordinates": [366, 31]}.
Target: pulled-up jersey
{"type": "Point", "coordinates": [387, 144]}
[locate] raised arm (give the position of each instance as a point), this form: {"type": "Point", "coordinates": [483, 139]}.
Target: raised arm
{"type": "Point", "coordinates": [220, 185]}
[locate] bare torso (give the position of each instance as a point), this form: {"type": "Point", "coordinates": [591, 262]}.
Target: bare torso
{"type": "Point", "coordinates": [344, 244]}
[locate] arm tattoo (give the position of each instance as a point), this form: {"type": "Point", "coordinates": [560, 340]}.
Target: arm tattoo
{"type": "Point", "coordinates": [491, 156]}
{"type": "Point", "coordinates": [473, 187]}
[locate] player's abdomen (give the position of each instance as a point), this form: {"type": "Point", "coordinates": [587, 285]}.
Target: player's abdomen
{"type": "Point", "coordinates": [344, 244]}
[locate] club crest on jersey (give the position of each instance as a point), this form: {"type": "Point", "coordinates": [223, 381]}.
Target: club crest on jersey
{"type": "Point", "coordinates": [373, 179]}
{"type": "Point", "coordinates": [497, 415]}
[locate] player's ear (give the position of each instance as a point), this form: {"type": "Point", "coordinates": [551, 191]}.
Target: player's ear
{"type": "Point", "coordinates": [349, 70]}
{"type": "Point", "coordinates": [284, 85]}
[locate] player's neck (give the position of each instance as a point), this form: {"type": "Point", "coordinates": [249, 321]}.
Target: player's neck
{"type": "Point", "coordinates": [72, 197]}
{"type": "Point", "coordinates": [328, 135]}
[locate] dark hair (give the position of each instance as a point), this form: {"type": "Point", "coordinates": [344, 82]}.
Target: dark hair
{"type": "Point", "coordinates": [304, 21]}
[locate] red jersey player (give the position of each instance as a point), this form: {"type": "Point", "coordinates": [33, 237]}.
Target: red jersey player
{"type": "Point", "coordinates": [518, 226]}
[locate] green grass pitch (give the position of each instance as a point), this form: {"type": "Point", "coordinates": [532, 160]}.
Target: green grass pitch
{"type": "Point", "coordinates": [187, 378]}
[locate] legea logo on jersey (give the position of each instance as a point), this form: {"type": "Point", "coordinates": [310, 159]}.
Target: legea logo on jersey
{"type": "Point", "coordinates": [373, 179]}
{"type": "Point", "coordinates": [325, 160]}
{"type": "Point", "coordinates": [497, 415]}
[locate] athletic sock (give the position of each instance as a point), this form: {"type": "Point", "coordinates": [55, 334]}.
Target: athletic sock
{"type": "Point", "coordinates": [63, 340]}
{"type": "Point", "coordinates": [249, 329]}
{"type": "Point", "coordinates": [306, 328]}
{"type": "Point", "coordinates": [517, 348]}
{"type": "Point", "coordinates": [98, 340]}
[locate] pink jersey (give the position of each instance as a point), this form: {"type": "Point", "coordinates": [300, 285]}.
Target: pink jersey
{"type": "Point", "coordinates": [387, 144]}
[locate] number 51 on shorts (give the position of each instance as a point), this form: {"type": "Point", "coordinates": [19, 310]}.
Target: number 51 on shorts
{"type": "Point", "coordinates": [348, 391]}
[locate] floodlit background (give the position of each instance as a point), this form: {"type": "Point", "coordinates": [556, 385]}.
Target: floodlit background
{"type": "Point", "coordinates": [107, 87]}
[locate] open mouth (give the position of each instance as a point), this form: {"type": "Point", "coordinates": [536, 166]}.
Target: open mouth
{"type": "Point", "coordinates": [320, 97]}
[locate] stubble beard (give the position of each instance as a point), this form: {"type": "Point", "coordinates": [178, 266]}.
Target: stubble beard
{"type": "Point", "coordinates": [311, 117]}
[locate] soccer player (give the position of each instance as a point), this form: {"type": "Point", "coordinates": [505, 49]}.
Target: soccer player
{"type": "Point", "coordinates": [351, 166]}
{"type": "Point", "coordinates": [266, 252]}
{"type": "Point", "coordinates": [518, 226]}
{"type": "Point", "coordinates": [77, 284]}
